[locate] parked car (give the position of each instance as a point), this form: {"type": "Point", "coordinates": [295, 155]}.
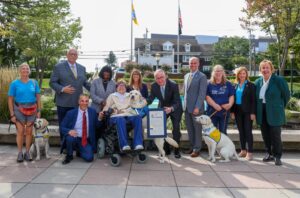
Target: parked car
{"type": "Point", "coordinates": [118, 73]}
{"type": "Point", "coordinates": [229, 73]}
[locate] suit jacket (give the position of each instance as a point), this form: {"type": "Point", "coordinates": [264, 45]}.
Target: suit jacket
{"type": "Point", "coordinates": [98, 93]}
{"type": "Point", "coordinates": [248, 99]}
{"type": "Point", "coordinates": [194, 95]}
{"type": "Point", "coordinates": [172, 97]}
{"type": "Point", "coordinates": [62, 76]}
{"type": "Point", "coordinates": [277, 96]}
{"type": "Point", "coordinates": [69, 123]}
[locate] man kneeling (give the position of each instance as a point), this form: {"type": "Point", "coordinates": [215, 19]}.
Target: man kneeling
{"type": "Point", "coordinates": [78, 130]}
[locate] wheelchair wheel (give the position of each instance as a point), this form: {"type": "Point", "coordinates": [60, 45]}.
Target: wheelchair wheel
{"type": "Point", "coordinates": [115, 160]}
{"type": "Point", "coordinates": [141, 158]}
{"type": "Point", "coordinates": [100, 148]}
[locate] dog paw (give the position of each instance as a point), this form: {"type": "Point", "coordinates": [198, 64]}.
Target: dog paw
{"type": "Point", "coordinates": [48, 157]}
{"type": "Point", "coordinates": [226, 160]}
{"type": "Point", "coordinates": [37, 159]}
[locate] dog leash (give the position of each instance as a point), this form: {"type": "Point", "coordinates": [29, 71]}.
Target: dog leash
{"type": "Point", "coordinates": [213, 114]}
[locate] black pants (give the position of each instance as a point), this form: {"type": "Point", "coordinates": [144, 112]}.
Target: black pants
{"type": "Point", "coordinates": [271, 136]}
{"type": "Point", "coordinates": [244, 124]}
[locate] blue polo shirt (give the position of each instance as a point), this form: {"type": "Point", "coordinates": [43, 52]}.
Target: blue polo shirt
{"type": "Point", "coordinates": [220, 93]}
{"type": "Point", "coordinates": [24, 92]}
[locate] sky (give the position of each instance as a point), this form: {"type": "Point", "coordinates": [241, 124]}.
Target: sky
{"type": "Point", "coordinates": [106, 23]}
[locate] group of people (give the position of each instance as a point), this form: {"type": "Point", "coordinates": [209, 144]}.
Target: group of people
{"type": "Point", "coordinates": [244, 101]}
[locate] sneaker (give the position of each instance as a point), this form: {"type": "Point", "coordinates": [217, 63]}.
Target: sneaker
{"type": "Point", "coordinates": [20, 157]}
{"type": "Point", "coordinates": [139, 147]}
{"type": "Point", "coordinates": [126, 148]}
{"type": "Point", "coordinates": [278, 161]}
{"type": "Point", "coordinates": [177, 153]}
{"type": "Point", "coordinates": [27, 156]}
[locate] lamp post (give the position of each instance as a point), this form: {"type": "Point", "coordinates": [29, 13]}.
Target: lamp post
{"type": "Point", "coordinates": [157, 58]}
{"type": "Point", "coordinates": [292, 57]}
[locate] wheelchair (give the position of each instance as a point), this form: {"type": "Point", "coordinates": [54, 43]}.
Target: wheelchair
{"type": "Point", "coordinates": [108, 143]}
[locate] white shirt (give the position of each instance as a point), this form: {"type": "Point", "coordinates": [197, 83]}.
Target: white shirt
{"type": "Point", "coordinates": [78, 124]}
{"type": "Point", "coordinates": [263, 90]}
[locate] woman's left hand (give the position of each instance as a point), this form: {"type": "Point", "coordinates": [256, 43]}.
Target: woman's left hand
{"type": "Point", "coordinates": [226, 106]}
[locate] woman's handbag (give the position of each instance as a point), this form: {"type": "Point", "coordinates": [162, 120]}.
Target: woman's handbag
{"type": "Point", "coordinates": [28, 110]}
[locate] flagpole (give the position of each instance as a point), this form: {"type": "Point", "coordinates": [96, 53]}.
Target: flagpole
{"type": "Point", "coordinates": [131, 34]}
{"type": "Point", "coordinates": [178, 67]}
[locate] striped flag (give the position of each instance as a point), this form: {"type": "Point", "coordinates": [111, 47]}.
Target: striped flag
{"type": "Point", "coordinates": [179, 21]}
{"type": "Point", "coordinates": [133, 16]}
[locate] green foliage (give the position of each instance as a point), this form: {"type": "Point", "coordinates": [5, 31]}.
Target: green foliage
{"type": "Point", "coordinates": [293, 104]}
{"type": "Point", "coordinates": [145, 69]}
{"type": "Point", "coordinates": [44, 31]}
{"type": "Point", "coordinates": [280, 18]}
{"type": "Point", "coordinates": [47, 106]}
{"type": "Point", "coordinates": [231, 51]}
{"type": "Point", "coordinates": [7, 75]}
{"type": "Point", "coordinates": [111, 60]}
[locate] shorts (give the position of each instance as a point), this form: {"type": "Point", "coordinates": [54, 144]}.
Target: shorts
{"type": "Point", "coordinates": [21, 117]}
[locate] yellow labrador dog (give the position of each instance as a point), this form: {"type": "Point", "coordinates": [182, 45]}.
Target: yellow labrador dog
{"type": "Point", "coordinates": [137, 102]}
{"type": "Point", "coordinates": [41, 139]}
{"type": "Point", "coordinates": [216, 140]}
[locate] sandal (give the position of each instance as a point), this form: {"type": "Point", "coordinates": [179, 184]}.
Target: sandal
{"type": "Point", "coordinates": [249, 156]}
{"type": "Point", "coordinates": [243, 153]}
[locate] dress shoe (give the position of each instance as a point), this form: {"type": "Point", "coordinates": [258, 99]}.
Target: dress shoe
{"type": "Point", "coordinates": [194, 154]}
{"type": "Point", "coordinates": [177, 153]}
{"type": "Point", "coordinates": [67, 160]}
{"type": "Point", "coordinates": [278, 161]}
{"type": "Point", "coordinates": [78, 154]}
{"type": "Point", "coordinates": [268, 158]}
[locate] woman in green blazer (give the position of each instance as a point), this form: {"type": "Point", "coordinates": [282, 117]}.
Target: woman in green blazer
{"type": "Point", "coordinates": [272, 95]}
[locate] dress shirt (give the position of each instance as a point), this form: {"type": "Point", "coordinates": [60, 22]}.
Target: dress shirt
{"type": "Point", "coordinates": [78, 124]}
{"type": "Point", "coordinates": [263, 90]}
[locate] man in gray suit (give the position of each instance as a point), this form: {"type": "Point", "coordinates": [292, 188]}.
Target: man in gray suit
{"type": "Point", "coordinates": [195, 84]}
{"type": "Point", "coordinates": [67, 80]}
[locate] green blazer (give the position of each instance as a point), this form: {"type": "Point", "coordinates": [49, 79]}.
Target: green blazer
{"type": "Point", "coordinates": [277, 96]}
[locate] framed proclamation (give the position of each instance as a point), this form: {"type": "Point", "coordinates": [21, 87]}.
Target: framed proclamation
{"type": "Point", "coordinates": [156, 126]}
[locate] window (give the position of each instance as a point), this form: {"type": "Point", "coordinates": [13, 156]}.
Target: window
{"type": "Point", "coordinates": [185, 58]}
{"type": "Point", "coordinates": [207, 59]}
{"type": "Point", "coordinates": [168, 46]}
{"type": "Point", "coordinates": [187, 47]}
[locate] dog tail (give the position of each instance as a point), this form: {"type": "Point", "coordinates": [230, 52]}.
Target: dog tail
{"type": "Point", "coordinates": [236, 156]}
{"type": "Point", "coordinates": [172, 142]}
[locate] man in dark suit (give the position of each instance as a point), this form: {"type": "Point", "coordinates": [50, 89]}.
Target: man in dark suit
{"type": "Point", "coordinates": [195, 84]}
{"type": "Point", "coordinates": [167, 92]}
{"type": "Point", "coordinates": [78, 131]}
{"type": "Point", "coordinates": [67, 80]}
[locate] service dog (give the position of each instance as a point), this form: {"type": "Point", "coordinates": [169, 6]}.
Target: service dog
{"type": "Point", "coordinates": [216, 140]}
{"type": "Point", "coordinates": [41, 139]}
{"type": "Point", "coordinates": [137, 104]}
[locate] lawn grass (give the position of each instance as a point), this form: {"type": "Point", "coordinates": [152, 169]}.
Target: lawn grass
{"type": "Point", "coordinates": [45, 83]}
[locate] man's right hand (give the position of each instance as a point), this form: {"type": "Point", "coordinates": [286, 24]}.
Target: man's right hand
{"type": "Point", "coordinates": [73, 133]}
{"type": "Point", "coordinates": [69, 89]}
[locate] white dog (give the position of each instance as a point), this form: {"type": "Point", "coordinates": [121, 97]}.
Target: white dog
{"type": "Point", "coordinates": [41, 139]}
{"type": "Point", "coordinates": [137, 102]}
{"type": "Point", "coordinates": [216, 140]}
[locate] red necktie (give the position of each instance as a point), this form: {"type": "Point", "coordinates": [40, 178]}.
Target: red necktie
{"type": "Point", "coordinates": [84, 130]}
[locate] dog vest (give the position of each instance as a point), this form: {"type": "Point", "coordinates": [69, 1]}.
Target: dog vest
{"type": "Point", "coordinates": [215, 135]}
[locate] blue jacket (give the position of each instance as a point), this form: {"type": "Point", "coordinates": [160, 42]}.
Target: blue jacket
{"type": "Point", "coordinates": [70, 120]}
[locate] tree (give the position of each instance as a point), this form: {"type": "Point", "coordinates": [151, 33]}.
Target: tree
{"type": "Point", "coordinates": [45, 33]}
{"type": "Point", "coordinates": [280, 18]}
{"type": "Point", "coordinates": [111, 60]}
{"type": "Point", "coordinates": [231, 51]}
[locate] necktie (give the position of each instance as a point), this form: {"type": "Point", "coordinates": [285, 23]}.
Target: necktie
{"type": "Point", "coordinates": [74, 70]}
{"type": "Point", "coordinates": [84, 130]}
{"type": "Point", "coordinates": [189, 80]}
{"type": "Point", "coordinates": [162, 90]}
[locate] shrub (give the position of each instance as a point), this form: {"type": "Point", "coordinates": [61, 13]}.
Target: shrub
{"type": "Point", "coordinates": [7, 75]}
{"type": "Point", "coordinates": [293, 104]}
{"type": "Point", "coordinates": [47, 106]}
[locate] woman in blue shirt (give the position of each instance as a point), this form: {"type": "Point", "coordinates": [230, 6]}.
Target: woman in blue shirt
{"type": "Point", "coordinates": [22, 93]}
{"type": "Point", "coordinates": [243, 111]}
{"type": "Point", "coordinates": [220, 98]}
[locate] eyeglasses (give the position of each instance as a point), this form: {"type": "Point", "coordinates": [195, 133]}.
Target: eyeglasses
{"type": "Point", "coordinates": [73, 54]}
{"type": "Point", "coordinates": [84, 100]}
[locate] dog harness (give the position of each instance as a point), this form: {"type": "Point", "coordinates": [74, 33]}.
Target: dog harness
{"type": "Point", "coordinates": [215, 135]}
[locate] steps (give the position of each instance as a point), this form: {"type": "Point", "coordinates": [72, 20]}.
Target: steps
{"type": "Point", "coordinates": [290, 138]}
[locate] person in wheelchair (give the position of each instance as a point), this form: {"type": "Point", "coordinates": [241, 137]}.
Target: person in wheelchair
{"type": "Point", "coordinates": [119, 103]}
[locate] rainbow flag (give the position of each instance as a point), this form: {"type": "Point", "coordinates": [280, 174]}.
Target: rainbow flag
{"type": "Point", "coordinates": [133, 16]}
